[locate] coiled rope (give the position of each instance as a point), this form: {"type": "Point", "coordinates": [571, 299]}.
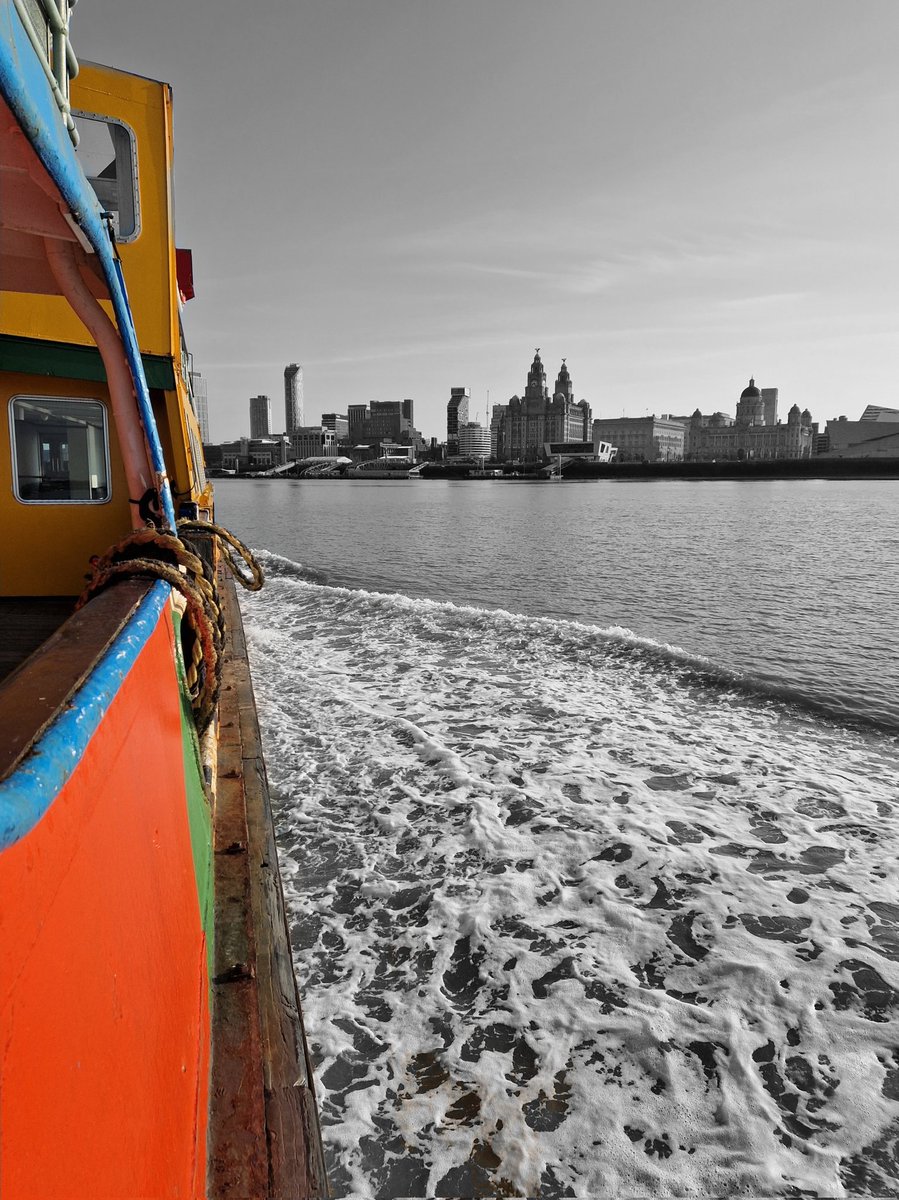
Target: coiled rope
{"type": "Point", "coordinates": [152, 553]}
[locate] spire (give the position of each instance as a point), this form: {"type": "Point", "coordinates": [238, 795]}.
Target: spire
{"type": "Point", "coordinates": [536, 377]}
{"type": "Point", "coordinates": [563, 383]}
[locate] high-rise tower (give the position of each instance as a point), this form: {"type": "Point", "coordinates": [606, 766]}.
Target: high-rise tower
{"type": "Point", "coordinates": [201, 405]}
{"type": "Point", "coordinates": [294, 415]}
{"type": "Point", "coordinates": [260, 417]}
{"type": "Point", "coordinates": [456, 416]}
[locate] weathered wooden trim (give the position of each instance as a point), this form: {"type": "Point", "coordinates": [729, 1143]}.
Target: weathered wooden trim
{"type": "Point", "coordinates": [264, 1130]}
{"type": "Point", "coordinates": [36, 691]}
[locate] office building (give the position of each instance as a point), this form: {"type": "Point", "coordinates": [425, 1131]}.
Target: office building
{"type": "Point", "coordinates": [339, 423]}
{"type": "Point", "coordinates": [456, 416]}
{"type": "Point", "coordinates": [294, 412]}
{"type": "Point", "coordinates": [473, 440]}
{"type": "Point", "coordinates": [260, 417]}
{"type": "Point", "coordinates": [383, 421]}
{"type": "Point", "coordinates": [639, 439]}
{"type": "Point", "coordinates": [313, 441]}
{"type": "Point", "coordinates": [201, 404]}
{"type": "Point", "coordinates": [874, 436]}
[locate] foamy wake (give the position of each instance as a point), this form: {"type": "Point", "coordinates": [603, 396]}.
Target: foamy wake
{"type": "Point", "coordinates": [567, 924]}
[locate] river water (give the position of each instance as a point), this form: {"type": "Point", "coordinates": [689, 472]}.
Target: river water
{"type": "Point", "coordinates": [586, 803]}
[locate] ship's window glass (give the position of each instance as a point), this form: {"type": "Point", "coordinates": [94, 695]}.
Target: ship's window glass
{"type": "Point", "coordinates": [60, 450]}
{"type": "Point", "coordinates": [106, 153]}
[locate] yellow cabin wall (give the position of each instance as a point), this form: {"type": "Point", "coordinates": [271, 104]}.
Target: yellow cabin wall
{"type": "Point", "coordinates": [148, 262]}
{"type": "Point", "coordinates": [46, 548]}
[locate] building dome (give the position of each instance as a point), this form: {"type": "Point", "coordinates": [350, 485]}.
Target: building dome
{"type": "Point", "coordinates": [751, 392]}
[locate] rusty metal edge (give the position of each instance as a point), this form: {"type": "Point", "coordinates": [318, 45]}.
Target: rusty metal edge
{"type": "Point", "coordinates": [264, 1134]}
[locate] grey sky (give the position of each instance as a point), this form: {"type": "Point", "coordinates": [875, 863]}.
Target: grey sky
{"type": "Point", "coordinates": [410, 195]}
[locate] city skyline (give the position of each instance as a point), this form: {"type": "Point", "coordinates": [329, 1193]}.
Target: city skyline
{"type": "Point", "coordinates": [671, 196]}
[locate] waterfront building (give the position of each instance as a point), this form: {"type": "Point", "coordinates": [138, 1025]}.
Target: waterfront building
{"type": "Point", "coordinates": [390, 419]}
{"type": "Point", "coordinates": [294, 410]}
{"type": "Point", "coordinates": [456, 416]}
{"type": "Point", "coordinates": [755, 432]}
{"type": "Point", "coordinates": [870, 437]}
{"type": "Point", "coordinates": [877, 412]}
{"type": "Point", "coordinates": [250, 454]}
{"type": "Point", "coordinates": [473, 440]}
{"type": "Point", "coordinates": [387, 420]}
{"type": "Point", "coordinates": [497, 417]}
{"type": "Point", "coordinates": [201, 404]}
{"type": "Point", "coordinates": [701, 431]}
{"type": "Point", "coordinates": [357, 415]}
{"type": "Point", "coordinates": [260, 416]}
{"type": "Point", "coordinates": [339, 422]}
{"type": "Point", "coordinates": [532, 420]}
{"type": "Point", "coordinates": [313, 441]}
{"type": "Point", "coordinates": [601, 452]}
{"type": "Point", "coordinates": [638, 439]}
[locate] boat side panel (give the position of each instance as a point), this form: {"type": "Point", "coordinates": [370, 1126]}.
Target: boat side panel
{"type": "Point", "coordinates": [104, 1003]}
{"type": "Point", "coordinates": [199, 813]}
{"type": "Point", "coordinates": [46, 548]}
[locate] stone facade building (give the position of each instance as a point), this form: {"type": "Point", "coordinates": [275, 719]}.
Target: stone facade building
{"type": "Point", "coordinates": [653, 439]}
{"type": "Point", "coordinates": [755, 432]}
{"type": "Point", "coordinates": [532, 420]}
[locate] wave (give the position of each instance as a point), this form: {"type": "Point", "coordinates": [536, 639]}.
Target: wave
{"type": "Point", "coordinates": [615, 643]}
{"type": "Point", "coordinates": [575, 913]}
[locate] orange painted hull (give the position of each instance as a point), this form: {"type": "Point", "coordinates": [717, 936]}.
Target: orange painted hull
{"type": "Point", "coordinates": [104, 984]}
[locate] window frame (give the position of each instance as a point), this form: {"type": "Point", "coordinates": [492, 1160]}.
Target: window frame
{"type": "Point", "coordinates": [107, 499]}
{"type": "Point", "coordinates": [132, 139]}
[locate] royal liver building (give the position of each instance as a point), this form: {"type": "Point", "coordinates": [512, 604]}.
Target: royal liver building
{"type": "Point", "coordinates": [536, 418]}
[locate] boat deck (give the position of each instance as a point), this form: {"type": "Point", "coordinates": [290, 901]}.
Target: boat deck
{"type": "Point", "coordinates": [25, 623]}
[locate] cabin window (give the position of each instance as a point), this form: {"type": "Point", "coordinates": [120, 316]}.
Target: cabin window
{"type": "Point", "coordinates": [107, 156]}
{"type": "Point", "coordinates": [60, 450]}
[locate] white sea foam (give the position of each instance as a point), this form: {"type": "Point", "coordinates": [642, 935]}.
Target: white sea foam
{"type": "Point", "coordinates": [571, 915]}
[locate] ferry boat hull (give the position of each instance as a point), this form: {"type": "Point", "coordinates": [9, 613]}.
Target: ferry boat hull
{"type": "Point", "coordinates": [150, 1023]}
{"type": "Point", "coordinates": [105, 929]}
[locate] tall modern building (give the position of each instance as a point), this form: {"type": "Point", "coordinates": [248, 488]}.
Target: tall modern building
{"type": "Point", "coordinates": [357, 416]}
{"type": "Point", "coordinates": [456, 416]}
{"type": "Point", "coordinates": [260, 417]}
{"type": "Point", "coordinates": [338, 423]}
{"type": "Point", "coordinates": [201, 405]}
{"type": "Point", "coordinates": [294, 414]}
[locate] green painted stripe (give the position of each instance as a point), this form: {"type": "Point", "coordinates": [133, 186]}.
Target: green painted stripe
{"type": "Point", "coordinates": [199, 813]}
{"type": "Point", "coordinates": [34, 356]}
